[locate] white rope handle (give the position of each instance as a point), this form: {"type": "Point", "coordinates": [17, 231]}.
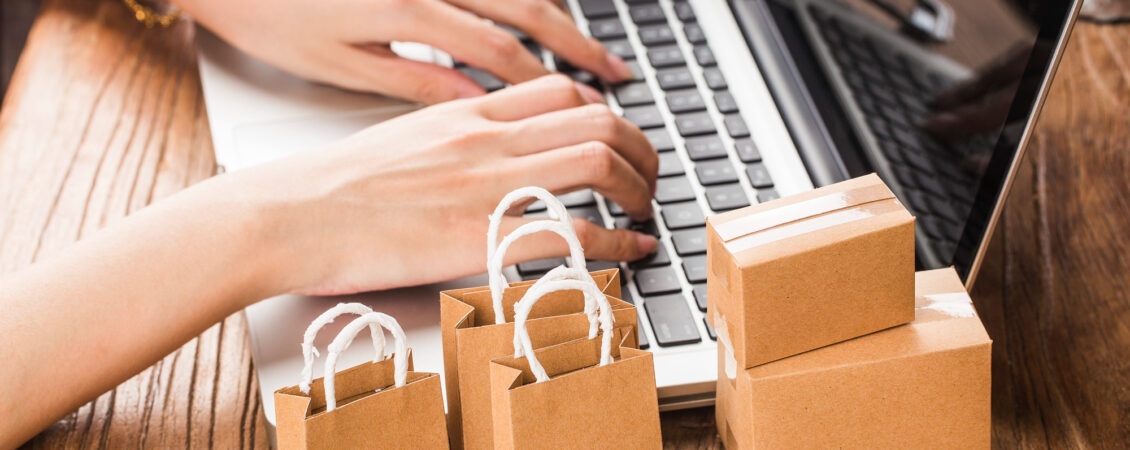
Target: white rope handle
{"type": "Point", "coordinates": [309, 352]}
{"type": "Point", "coordinates": [579, 274]}
{"type": "Point", "coordinates": [498, 282]}
{"type": "Point", "coordinates": [553, 206]}
{"type": "Point", "coordinates": [343, 339]}
{"type": "Point", "coordinates": [543, 287]}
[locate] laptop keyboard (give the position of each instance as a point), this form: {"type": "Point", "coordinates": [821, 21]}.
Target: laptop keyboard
{"type": "Point", "coordinates": [708, 163]}
{"type": "Point", "coordinates": [893, 93]}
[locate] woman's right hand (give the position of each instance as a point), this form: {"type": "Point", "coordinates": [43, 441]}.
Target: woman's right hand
{"type": "Point", "coordinates": [346, 43]}
{"type": "Point", "coordinates": [406, 202]}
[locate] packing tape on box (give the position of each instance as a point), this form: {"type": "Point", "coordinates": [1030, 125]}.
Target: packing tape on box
{"type": "Point", "coordinates": [823, 212]}
{"type": "Point", "coordinates": [827, 220]}
{"type": "Point", "coordinates": [954, 304]}
{"type": "Point", "coordinates": [730, 362]}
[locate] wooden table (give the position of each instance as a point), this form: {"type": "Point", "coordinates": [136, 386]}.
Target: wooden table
{"type": "Point", "coordinates": [105, 116]}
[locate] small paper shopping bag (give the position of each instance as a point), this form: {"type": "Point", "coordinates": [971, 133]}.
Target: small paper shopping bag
{"type": "Point", "coordinates": [477, 325]}
{"type": "Point", "coordinates": [584, 393]}
{"type": "Point", "coordinates": [381, 404]}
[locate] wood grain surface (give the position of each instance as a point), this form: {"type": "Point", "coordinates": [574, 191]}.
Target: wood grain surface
{"type": "Point", "coordinates": [105, 116]}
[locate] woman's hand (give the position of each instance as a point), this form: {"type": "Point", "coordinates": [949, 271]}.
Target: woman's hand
{"type": "Point", "coordinates": [406, 202]}
{"type": "Point", "coordinates": [346, 42]}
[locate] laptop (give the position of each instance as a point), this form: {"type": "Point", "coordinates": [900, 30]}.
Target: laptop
{"type": "Point", "coordinates": [745, 101]}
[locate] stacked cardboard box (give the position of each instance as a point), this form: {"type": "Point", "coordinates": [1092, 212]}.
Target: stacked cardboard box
{"type": "Point", "coordinates": [827, 337]}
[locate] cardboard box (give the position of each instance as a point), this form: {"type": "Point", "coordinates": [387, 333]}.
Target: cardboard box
{"type": "Point", "coordinates": [925, 384]}
{"type": "Point", "coordinates": [471, 339]}
{"type": "Point", "coordinates": [810, 270]}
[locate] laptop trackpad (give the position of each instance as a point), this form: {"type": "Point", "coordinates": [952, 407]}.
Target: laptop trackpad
{"type": "Point", "coordinates": [257, 143]}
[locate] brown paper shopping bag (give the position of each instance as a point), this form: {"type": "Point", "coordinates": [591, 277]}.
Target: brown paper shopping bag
{"type": "Point", "coordinates": [580, 394]}
{"type": "Point", "coordinates": [477, 323]}
{"type": "Point", "coordinates": [382, 404]}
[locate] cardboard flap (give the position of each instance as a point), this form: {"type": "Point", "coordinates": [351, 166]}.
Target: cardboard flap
{"type": "Point", "coordinates": [351, 384]}
{"type": "Point", "coordinates": [480, 305]}
{"type": "Point", "coordinates": [569, 357]}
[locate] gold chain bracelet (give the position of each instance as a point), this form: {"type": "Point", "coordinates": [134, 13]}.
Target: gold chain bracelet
{"type": "Point", "coordinates": [150, 16]}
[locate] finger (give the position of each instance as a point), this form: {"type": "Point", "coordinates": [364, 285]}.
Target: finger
{"type": "Point", "coordinates": [599, 243]}
{"type": "Point", "coordinates": [378, 69]}
{"type": "Point", "coordinates": [477, 42]}
{"type": "Point", "coordinates": [593, 122]}
{"type": "Point", "coordinates": [588, 165]}
{"type": "Point", "coordinates": [553, 28]}
{"type": "Point", "coordinates": [545, 94]}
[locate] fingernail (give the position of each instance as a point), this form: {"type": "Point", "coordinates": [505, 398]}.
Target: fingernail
{"type": "Point", "coordinates": [589, 93]}
{"type": "Point", "coordinates": [646, 243]}
{"type": "Point", "coordinates": [619, 67]}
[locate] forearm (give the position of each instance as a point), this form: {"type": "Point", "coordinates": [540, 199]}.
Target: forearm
{"type": "Point", "coordinates": [79, 324]}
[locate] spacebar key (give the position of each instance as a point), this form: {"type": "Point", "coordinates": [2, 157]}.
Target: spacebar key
{"type": "Point", "coordinates": [671, 320]}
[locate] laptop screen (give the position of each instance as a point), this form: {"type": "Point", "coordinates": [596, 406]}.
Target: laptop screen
{"type": "Point", "coordinates": [933, 95]}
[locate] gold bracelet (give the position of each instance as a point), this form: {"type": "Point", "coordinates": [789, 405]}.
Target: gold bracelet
{"type": "Point", "coordinates": [150, 16]}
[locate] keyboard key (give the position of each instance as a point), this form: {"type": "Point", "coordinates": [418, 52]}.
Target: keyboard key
{"type": "Point", "coordinates": [671, 320]}
{"type": "Point", "coordinates": [657, 281]}
{"type": "Point", "coordinates": [483, 78]}
{"type": "Point", "coordinates": [726, 197]}
{"type": "Point", "coordinates": [534, 48]}
{"type": "Point", "coordinates": [705, 147]}
{"type": "Point", "coordinates": [614, 208]}
{"type": "Point", "coordinates": [621, 48]}
{"type": "Point", "coordinates": [589, 213]}
{"type": "Point", "coordinates": [670, 164]}
{"type": "Point", "coordinates": [658, 259]}
{"type": "Point", "coordinates": [597, 8]}
{"type": "Point", "coordinates": [694, 33]}
{"type": "Point", "coordinates": [747, 151]}
{"type": "Point", "coordinates": [683, 215]}
{"type": "Point", "coordinates": [718, 171]}
{"type": "Point", "coordinates": [709, 331]}
{"type": "Point", "coordinates": [633, 94]}
{"type": "Point", "coordinates": [714, 78]}
{"type": "Point", "coordinates": [648, 227]}
{"type": "Point", "coordinates": [673, 189]}
{"type": "Point", "coordinates": [684, 11]}
{"type": "Point", "coordinates": [685, 101]}
{"type": "Point", "coordinates": [677, 78]}
{"type": "Point", "coordinates": [610, 28]}
{"type": "Point", "coordinates": [640, 334]}
{"type": "Point", "coordinates": [539, 266]}
{"type": "Point", "coordinates": [648, 13]}
{"type": "Point", "coordinates": [588, 78]}
{"type": "Point", "coordinates": [695, 268]}
{"type": "Point", "coordinates": [582, 197]}
{"type": "Point", "coordinates": [656, 35]}
{"type": "Point", "coordinates": [700, 296]}
{"type": "Point", "coordinates": [694, 124]}
{"type": "Point", "coordinates": [637, 71]}
{"type": "Point", "coordinates": [759, 175]}
{"type": "Point", "coordinates": [766, 195]}
{"type": "Point", "coordinates": [735, 125]}
{"type": "Point", "coordinates": [666, 56]}
{"type": "Point", "coordinates": [660, 139]}
{"type": "Point", "coordinates": [689, 242]}
{"type": "Point", "coordinates": [725, 102]}
{"type": "Point", "coordinates": [644, 116]}
{"type": "Point", "coordinates": [596, 266]}
{"type": "Point", "coordinates": [704, 56]}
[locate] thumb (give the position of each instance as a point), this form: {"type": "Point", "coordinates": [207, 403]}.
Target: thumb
{"type": "Point", "coordinates": [599, 243]}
